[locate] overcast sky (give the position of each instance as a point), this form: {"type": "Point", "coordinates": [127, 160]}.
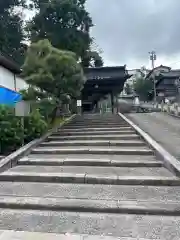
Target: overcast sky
{"type": "Point", "coordinates": [126, 30]}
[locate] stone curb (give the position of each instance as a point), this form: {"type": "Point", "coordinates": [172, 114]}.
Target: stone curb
{"type": "Point", "coordinates": [93, 206]}
{"type": "Point", "coordinates": [11, 160]}
{"type": "Point", "coordinates": [83, 178]}
{"type": "Point", "coordinates": [12, 235]}
{"type": "Point", "coordinates": [170, 161]}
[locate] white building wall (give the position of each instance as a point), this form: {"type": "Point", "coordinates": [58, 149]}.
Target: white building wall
{"type": "Point", "coordinates": [20, 84]}
{"type": "Point", "coordinates": [11, 81]}
{"type": "Point", "coordinates": [7, 78]}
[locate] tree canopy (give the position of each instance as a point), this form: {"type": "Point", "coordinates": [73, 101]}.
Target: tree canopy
{"type": "Point", "coordinates": [127, 89]}
{"type": "Point", "coordinates": [11, 28]}
{"type": "Point", "coordinates": [53, 71]}
{"type": "Point", "coordinates": [92, 59]}
{"type": "Point", "coordinates": [143, 87]}
{"type": "Point", "coordinates": [66, 24]}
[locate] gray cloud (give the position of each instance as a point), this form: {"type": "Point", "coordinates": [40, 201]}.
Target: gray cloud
{"type": "Point", "coordinates": [127, 30]}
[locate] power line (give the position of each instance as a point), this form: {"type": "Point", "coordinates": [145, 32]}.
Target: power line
{"type": "Point", "coordinates": [174, 63]}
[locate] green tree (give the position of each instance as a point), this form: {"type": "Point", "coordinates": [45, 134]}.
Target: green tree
{"type": "Point", "coordinates": [66, 24]}
{"type": "Point", "coordinates": [54, 72]}
{"type": "Point", "coordinates": [11, 28]}
{"type": "Point", "coordinates": [127, 89]}
{"type": "Point", "coordinates": [143, 87]}
{"type": "Point", "coordinates": [92, 59]}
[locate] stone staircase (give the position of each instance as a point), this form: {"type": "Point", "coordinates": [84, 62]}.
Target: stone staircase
{"type": "Point", "coordinates": [94, 176]}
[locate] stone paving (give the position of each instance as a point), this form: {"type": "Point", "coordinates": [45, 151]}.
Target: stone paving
{"type": "Point", "coordinates": [94, 179]}
{"type": "Point", "coordinates": [163, 128]}
{"type": "Point", "coordinates": [15, 235]}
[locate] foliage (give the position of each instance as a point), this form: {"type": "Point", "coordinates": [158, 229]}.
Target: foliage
{"type": "Point", "coordinates": [53, 71]}
{"type": "Point", "coordinates": [35, 126]}
{"type": "Point", "coordinates": [66, 24]}
{"type": "Point", "coordinates": [127, 89]}
{"type": "Point", "coordinates": [143, 87]}
{"type": "Point", "coordinates": [92, 59]}
{"type": "Point", "coordinates": [11, 28]}
{"type": "Point", "coordinates": [12, 133]}
{"type": "Point", "coordinates": [10, 130]}
{"type": "Point", "coordinates": [32, 94]}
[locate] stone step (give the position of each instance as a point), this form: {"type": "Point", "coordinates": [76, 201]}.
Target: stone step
{"type": "Point", "coordinates": [106, 120]}
{"type": "Point", "coordinates": [81, 133]}
{"type": "Point", "coordinates": [129, 143]}
{"type": "Point", "coordinates": [89, 175]}
{"type": "Point", "coordinates": [91, 206]}
{"type": "Point", "coordinates": [117, 171]}
{"type": "Point", "coordinates": [88, 179]}
{"type": "Point", "coordinates": [18, 235]}
{"type": "Point", "coordinates": [95, 157]}
{"type": "Point", "coordinates": [123, 225]}
{"type": "Point", "coordinates": [92, 191]}
{"type": "Point", "coordinates": [65, 129]}
{"type": "Point", "coordinates": [106, 162]}
{"type": "Point", "coordinates": [86, 121]}
{"type": "Point", "coordinates": [94, 150]}
{"type": "Point", "coordinates": [102, 125]}
{"type": "Point", "coordinates": [97, 137]}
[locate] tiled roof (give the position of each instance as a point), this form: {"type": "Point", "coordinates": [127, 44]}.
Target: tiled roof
{"type": "Point", "coordinates": [9, 64]}
{"type": "Point", "coordinates": [172, 73]}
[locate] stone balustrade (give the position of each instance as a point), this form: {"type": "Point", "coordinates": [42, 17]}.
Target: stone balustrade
{"type": "Point", "coordinates": [169, 108]}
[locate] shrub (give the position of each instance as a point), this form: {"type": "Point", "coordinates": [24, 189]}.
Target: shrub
{"type": "Point", "coordinates": [12, 133]}
{"type": "Point", "coordinates": [34, 126]}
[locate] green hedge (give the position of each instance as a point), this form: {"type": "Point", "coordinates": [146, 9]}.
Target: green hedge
{"type": "Point", "coordinates": [12, 133]}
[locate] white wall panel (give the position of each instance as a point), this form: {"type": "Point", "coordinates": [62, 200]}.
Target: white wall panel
{"type": "Point", "coordinates": [20, 84]}
{"type": "Point", "coordinates": [7, 78]}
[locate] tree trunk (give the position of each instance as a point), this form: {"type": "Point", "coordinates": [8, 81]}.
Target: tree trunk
{"type": "Point", "coordinates": [53, 115]}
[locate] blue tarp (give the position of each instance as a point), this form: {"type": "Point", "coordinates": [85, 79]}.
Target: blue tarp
{"type": "Point", "coordinates": [9, 97]}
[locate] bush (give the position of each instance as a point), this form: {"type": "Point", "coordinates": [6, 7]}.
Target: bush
{"type": "Point", "coordinates": [12, 133]}
{"type": "Point", "coordinates": [34, 126]}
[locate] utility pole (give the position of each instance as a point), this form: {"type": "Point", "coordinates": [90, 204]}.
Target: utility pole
{"type": "Point", "coordinates": [153, 58]}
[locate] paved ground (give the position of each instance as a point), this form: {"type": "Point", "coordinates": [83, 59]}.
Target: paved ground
{"type": "Point", "coordinates": [123, 225]}
{"type": "Point", "coordinates": [13, 235]}
{"type": "Point", "coordinates": [95, 176]}
{"type": "Point", "coordinates": [163, 128]}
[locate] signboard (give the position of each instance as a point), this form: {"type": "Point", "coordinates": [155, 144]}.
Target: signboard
{"type": "Point", "coordinates": [79, 103]}
{"type": "Point", "coordinates": [22, 109]}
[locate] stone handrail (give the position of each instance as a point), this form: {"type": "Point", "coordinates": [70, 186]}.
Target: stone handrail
{"type": "Point", "coordinates": [169, 108]}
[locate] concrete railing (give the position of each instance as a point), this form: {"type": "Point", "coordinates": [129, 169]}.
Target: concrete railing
{"type": "Point", "coordinates": [169, 108]}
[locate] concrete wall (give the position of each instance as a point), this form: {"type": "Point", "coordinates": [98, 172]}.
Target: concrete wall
{"type": "Point", "coordinates": [10, 80]}
{"type": "Point", "coordinates": [20, 84]}
{"type": "Point", "coordinates": [7, 78]}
